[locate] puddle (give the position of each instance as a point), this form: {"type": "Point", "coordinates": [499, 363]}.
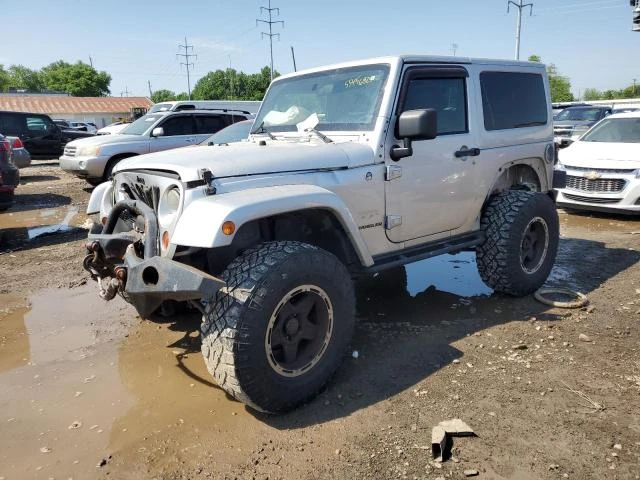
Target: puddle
{"type": "Point", "coordinates": [32, 224]}
{"type": "Point", "coordinates": [455, 274]}
{"type": "Point", "coordinates": [83, 379]}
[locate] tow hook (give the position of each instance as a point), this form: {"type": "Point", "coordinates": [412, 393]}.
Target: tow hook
{"type": "Point", "coordinates": [109, 282]}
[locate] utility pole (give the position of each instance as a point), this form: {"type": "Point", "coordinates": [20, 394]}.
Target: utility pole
{"type": "Point", "coordinates": [519, 6]}
{"type": "Point", "coordinates": [270, 11]}
{"type": "Point", "coordinates": [150, 91]}
{"type": "Point", "coordinates": [187, 49]}
{"type": "Point", "coordinates": [125, 92]}
{"type": "Point", "coordinates": [293, 56]}
{"type": "Point", "coordinates": [454, 48]}
{"type": "Point", "coordinates": [90, 61]}
{"type": "Point", "coordinates": [230, 78]}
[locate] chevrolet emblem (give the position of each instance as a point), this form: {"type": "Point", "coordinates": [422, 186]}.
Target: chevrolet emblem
{"type": "Point", "coordinates": [593, 175]}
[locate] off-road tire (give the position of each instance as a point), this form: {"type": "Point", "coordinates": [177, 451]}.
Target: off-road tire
{"type": "Point", "coordinates": [236, 321]}
{"type": "Point", "coordinates": [505, 221]}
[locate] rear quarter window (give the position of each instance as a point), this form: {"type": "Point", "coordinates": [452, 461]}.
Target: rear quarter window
{"type": "Point", "coordinates": [513, 100]}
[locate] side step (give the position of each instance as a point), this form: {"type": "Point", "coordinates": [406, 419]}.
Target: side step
{"type": "Point", "coordinates": [431, 249]}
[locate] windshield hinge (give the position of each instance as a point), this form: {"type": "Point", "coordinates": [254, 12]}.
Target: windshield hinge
{"type": "Point", "coordinates": [392, 221]}
{"type": "Point", "coordinates": [207, 178]}
{"type": "Point", "coordinates": [392, 172]}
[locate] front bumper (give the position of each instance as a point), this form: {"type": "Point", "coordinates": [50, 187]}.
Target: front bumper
{"type": "Point", "coordinates": [128, 263]}
{"type": "Point", "coordinates": [90, 167]}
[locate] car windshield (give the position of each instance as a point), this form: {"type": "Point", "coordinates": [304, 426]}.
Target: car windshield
{"type": "Point", "coordinates": [342, 99]}
{"type": "Point", "coordinates": [622, 130]}
{"type": "Point", "coordinates": [233, 133]}
{"type": "Point", "coordinates": [580, 114]}
{"type": "Point", "coordinates": [141, 125]}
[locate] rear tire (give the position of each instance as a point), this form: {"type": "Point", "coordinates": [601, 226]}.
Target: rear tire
{"type": "Point", "coordinates": [279, 329]}
{"type": "Point", "coordinates": [522, 233]}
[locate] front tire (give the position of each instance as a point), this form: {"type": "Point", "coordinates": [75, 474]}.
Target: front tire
{"type": "Point", "coordinates": [277, 332]}
{"type": "Point", "coordinates": [522, 232]}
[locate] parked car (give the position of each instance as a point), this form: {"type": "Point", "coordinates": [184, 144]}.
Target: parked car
{"type": "Point", "coordinates": [572, 122]}
{"type": "Point", "coordinates": [113, 128]}
{"type": "Point", "coordinates": [84, 126]}
{"type": "Point", "coordinates": [240, 106]}
{"type": "Point", "coordinates": [603, 167]}
{"type": "Point", "coordinates": [21, 156]}
{"type": "Point", "coordinates": [233, 133]}
{"type": "Point", "coordinates": [94, 158]}
{"type": "Point", "coordinates": [39, 134]}
{"type": "Point", "coordinates": [9, 174]}
{"type": "Point", "coordinates": [560, 106]}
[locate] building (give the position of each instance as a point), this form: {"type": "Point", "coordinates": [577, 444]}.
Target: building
{"type": "Point", "coordinates": [99, 110]}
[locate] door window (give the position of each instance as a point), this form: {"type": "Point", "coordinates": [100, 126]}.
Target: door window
{"type": "Point", "coordinates": [178, 125]}
{"type": "Point", "coordinates": [446, 95]}
{"type": "Point", "coordinates": [209, 124]}
{"type": "Point", "coordinates": [36, 125]}
{"type": "Point", "coordinates": [11, 124]}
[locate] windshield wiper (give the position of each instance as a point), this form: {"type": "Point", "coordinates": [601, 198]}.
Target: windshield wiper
{"type": "Point", "coordinates": [261, 129]}
{"type": "Point", "coordinates": [321, 135]}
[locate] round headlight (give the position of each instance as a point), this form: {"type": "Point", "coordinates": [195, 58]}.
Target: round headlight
{"type": "Point", "coordinates": [169, 205]}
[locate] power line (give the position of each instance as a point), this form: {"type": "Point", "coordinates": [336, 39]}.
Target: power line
{"type": "Point", "coordinates": [270, 11]}
{"type": "Point", "coordinates": [519, 6]}
{"type": "Point", "coordinates": [187, 48]}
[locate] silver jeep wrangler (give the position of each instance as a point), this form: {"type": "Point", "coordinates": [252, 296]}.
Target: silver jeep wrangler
{"type": "Point", "coordinates": [350, 169]}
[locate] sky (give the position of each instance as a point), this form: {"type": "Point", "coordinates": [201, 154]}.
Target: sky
{"type": "Point", "coordinates": [136, 41]}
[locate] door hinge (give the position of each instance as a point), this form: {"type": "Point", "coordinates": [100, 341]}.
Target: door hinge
{"type": "Point", "coordinates": [392, 172]}
{"type": "Point", "coordinates": [392, 221]}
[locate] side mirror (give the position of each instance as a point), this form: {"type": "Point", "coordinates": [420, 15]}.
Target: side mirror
{"type": "Point", "coordinates": [157, 132]}
{"type": "Point", "coordinates": [414, 125]}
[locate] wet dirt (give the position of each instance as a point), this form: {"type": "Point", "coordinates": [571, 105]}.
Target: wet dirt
{"type": "Point", "coordinates": [432, 342]}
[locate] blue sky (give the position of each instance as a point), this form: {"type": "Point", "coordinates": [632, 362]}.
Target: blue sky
{"type": "Point", "coordinates": [590, 41]}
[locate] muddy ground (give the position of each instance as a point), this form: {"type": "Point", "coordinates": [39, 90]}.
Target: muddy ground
{"type": "Point", "coordinates": [89, 390]}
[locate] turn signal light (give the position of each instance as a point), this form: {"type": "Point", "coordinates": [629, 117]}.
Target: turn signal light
{"type": "Point", "coordinates": [228, 227]}
{"type": "Point", "coordinates": [165, 240]}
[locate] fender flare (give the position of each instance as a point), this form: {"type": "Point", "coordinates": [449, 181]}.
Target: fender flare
{"type": "Point", "coordinates": [200, 224]}
{"type": "Point", "coordinates": [97, 200]}
{"type": "Point", "coordinates": [538, 165]}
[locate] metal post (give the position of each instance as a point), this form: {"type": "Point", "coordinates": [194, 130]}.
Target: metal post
{"type": "Point", "coordinates": [519, 6]}
{"type": "Point", "coordinates": [293, 56]}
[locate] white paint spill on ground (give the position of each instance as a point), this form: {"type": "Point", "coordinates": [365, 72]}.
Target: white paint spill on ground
{"type": "Point", "coordinates": [62, 227]}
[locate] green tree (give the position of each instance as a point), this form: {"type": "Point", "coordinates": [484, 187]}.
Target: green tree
{"type": "Point", "coordinates": [183, 96]}
{"type": "Point", "coordinates": [79, 79]}
{"type": "Point", "coordinates": [4, 79]}
{"type": "Point", "coordinates": [162, 96]}
{"type": "Point", "coordinates": [592, 94]}
{"type": "Point", "coordinates": [560, 86]}
{"type": "Point", "coordinates": [232, 85]}
{"type": "Point", "coordinates": [24, 78]}
{"type": "Point", "coordinates": [213, 86]}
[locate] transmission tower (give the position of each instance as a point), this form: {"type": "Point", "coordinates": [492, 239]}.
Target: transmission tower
{"type": "Point", "coordinates": [519, 6]}
{"type": "Point", "coordinates": [270, 12]}
{"type": "Point", "coordinates": [186, 55]}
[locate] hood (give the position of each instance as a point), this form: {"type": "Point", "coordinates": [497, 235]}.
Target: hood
{"type": "Point", "coordinates": [601, 155]}
{"type": "Point", "coordinates": [573, 123]}
{"type": "Point", "coordinates": [107, 139]}
{"type": "Point", "coordinates": [250, 158]}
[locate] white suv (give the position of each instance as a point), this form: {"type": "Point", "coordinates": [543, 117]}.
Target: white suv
{"type": "Point", "coordinates": [93, 158]}
{"type": "Point", "coordinates": [350, 169]}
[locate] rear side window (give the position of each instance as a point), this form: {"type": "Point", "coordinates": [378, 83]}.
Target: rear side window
{"type": "Point", "coordinates": [11, 124]}
{"type": "Point", "coordinates": [209, 123]}
{"type": "Point", "coordinates": [513, 100]}
{"type": "Point", "coordinates": [36, 124]}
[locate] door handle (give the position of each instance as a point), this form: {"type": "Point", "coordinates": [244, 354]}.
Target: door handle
{"type": "Point", "coordinates": [467, 152]}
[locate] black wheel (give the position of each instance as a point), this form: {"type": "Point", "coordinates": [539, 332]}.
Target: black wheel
{"type": "Point", "coordinates": [94, 182]}
{"type": "Point", "coordinates": [522, 232]}
{"type": "Point", "coordinates": [277, 332]}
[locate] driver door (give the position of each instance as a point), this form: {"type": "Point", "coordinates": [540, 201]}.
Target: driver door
{"type": "Point", "coordinates": [433, 191]}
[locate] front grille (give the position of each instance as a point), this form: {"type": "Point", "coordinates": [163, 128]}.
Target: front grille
{"type": "Point", "coordinates": [601, 170]}
{"type": "Point", "coordinates": [148, 195]}
{"type": "Point", "coordinates": [602, 185]}
{"type": "Point", "coordinates": [579, 198]}
{"type": "Point", "coordinates": [70, 151]}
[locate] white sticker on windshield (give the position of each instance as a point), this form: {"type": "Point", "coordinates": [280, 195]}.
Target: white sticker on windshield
{"type": "Point", "coordinates": [308, 123]}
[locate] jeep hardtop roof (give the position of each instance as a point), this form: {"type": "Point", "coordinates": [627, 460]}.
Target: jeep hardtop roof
{"type": "Point", "coordinates": [401, 59]}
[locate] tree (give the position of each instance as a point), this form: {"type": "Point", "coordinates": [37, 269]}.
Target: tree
{"type": "Point", "coordinates": [232, 85]}
{"type": "Point", "coordinates": [162, 96]}
{"type": "Point", "coordinates": [79, 79]}
{"type": "Point", "coordinates": [4, 78]}
{"type": "Point", "coordinates": [592, 94]}
{"type": "Point", "coordinates": [21, 77]}
{"type": "Point", "coordinates": [560, 86]}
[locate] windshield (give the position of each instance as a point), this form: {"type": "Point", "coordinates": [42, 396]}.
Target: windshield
{"type": "Point", "coordinates": [580, 114]}
{"type": "Point", "coordinates": [160, 107]}
{"type": "Point", "coordinates": [342, 99]}
{"type": "Point", "coordinates": [141, 125]}
{"type": "Point", "coordinates": [623, 130]}
{"type": "Point", "coordinates": [233, 133]}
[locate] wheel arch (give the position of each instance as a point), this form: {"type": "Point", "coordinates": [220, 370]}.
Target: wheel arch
{"type": "Point", "coordinates": [527, 174]}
